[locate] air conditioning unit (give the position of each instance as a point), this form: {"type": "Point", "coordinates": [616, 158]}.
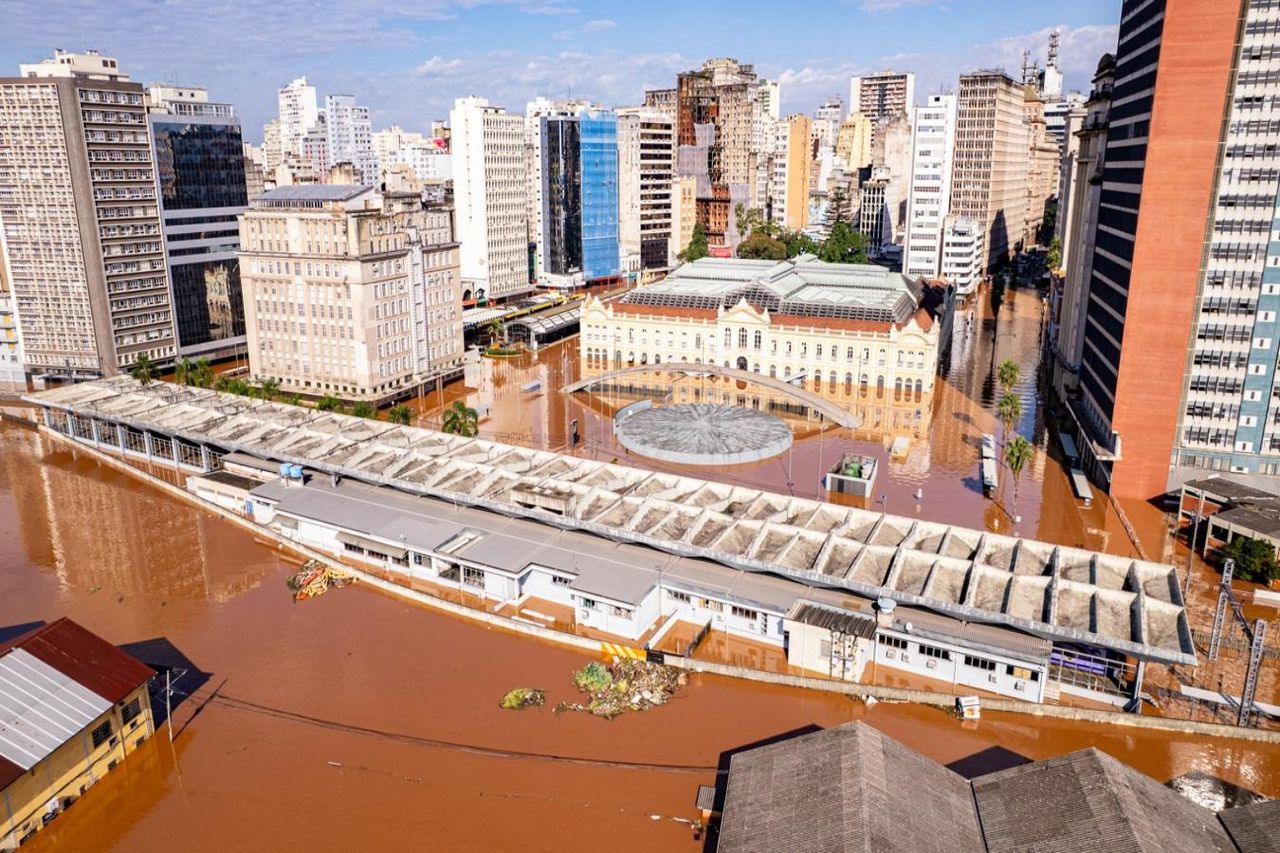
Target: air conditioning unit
{"type": "Point", "coordinates": [1019, 685]}
{"type": "Point", "coordinates": [992, 678]}
{"type": "Point", "coordinates": [584, 614]}
{"type": "Point", "coordinates": [932, 663]}
{"type": "Point", "coordinates": [906, 658]}
{"type": "Point", "coordinates": [890, 654]}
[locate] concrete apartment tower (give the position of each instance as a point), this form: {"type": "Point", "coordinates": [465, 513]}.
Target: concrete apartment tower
{"type": "Point", "coordinates": [1178, 368]}
{"type": "Point", "coordinates": [792, 165]}
{"type": "Point", "coordinates": [489, 190]}
{"type": "Point", "coordinates": [350, 137]}
{"type": "Point", "coordinates": [884, 96]}
{"type": "Point", "coordinates": [989, 172]}
{"type": "Point", "coordinates": [200, 168]}
{"type": "Point", "coordinates": [647, 202]}
{"type": "Point", "coordinates": [297, 112]}
{"type": "Point", "coordinates": [350, 292]}
{"type": "Point", "coordinates": [929, 194]}
{"type": "Point", "coordinates": [81, 224]}
{"type": "Point", "coordinates": [715, 128]}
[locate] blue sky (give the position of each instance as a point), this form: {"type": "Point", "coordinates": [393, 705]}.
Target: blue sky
{"type": "Point", "coordinates": [408, 59]}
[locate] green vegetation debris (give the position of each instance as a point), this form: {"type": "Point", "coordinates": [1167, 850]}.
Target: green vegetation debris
{"type": "Point", "coordinates": [627, 685]}
{"type": "Point", "coordinates": [524, 697]}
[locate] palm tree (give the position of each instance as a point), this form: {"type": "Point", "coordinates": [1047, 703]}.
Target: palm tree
{"type": "Point", "coordinates": [460, 419]}
{"type": "Point", "coordinates": [1007, 374]}
{"type": "Point", "coordinates": [270, 388]}
{"type": "Point", "coordinates": [184, 372]}
{"type": "Point", "coordinates": [1017, 453]}
{"type": "Point", "coordinates": [1010, 411]}
{"type": "Point", "coordinates": [400, 414]}
{"type": "Point", "coordinates": [143, 370]}
{"type": "Point", "coordinates": [496, 330]}
{"type": "Point", "coordinates": [203, 372]}
{"type": "Point", "coordinates": [365, 409]}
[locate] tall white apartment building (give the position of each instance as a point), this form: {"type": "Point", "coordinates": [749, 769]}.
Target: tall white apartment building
{"type": "Point", "coordinates": [489, 191]}
{"type": "Point", "coordinates": [387, 144]}
{"type": "Point", "coordinates": [883, 96]}
{"type": "Point", "coordinates": [929, 194]}
{"type": "Point", "coordinates": [350, 292]}
{"type": "Point", "coordinates": [297, 112]}
{"type": "Point", "coordinates": [350, 136]}
{"type": "Point", "coordinates": [647, 200]}
{"type": "Point", "coordinates": [80, 217]}
{"type": "Point", "coordinates": [963, 254]}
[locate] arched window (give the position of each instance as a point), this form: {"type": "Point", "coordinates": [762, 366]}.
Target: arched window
{"type": "Point", "coordinates": [880, 387]}
{"type": "Point", "coordinates": [755, 368]}
{"type": "Point", "coordinates": [773, 371]}
{"type": "Point", "coordinates": [759, 339]}
{"type": "Point", "coordinates": [786, 374]}
{"type": "Point", "coordinates": [919, 388]}
{"type": "Point", "coordinates": [742, 338]}
{"type": "Point", "coordinates": [831, 380]}
{"type": "Point", "coordinates": [848, 383]}
{"type": "Point", "coordinates": [899, 358]}
{"type": "Point", "coordinates": [657, 358]}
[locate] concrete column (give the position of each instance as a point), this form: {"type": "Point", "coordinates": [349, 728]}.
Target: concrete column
{"type": "Point", "coordinates": [93, 430]}
{"type": "Point", "coordinates": [206, 461]}
{"type": "Point", "coordinates": [1136, 704]}
{"type": "Point", "coordinates": [48, 421]}
{"type": "Point", "coordinates": [120, 433]}
{"type": "Point", "coordinates": [173, 448]}
{"type": "Point", "coordinates": [146, 443]}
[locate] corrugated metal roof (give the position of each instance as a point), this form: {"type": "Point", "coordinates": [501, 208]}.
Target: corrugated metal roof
{"type": "Point", "coordinates": [1254, 828]}
{"type": "Point", "coordinates": [85, 657]}
{"type": "Point", "coordinates": [40, 708]}
{"type": "Point", "coordinates": [853, 624]}
{"type": "Point", "coordinates": [314, 192]}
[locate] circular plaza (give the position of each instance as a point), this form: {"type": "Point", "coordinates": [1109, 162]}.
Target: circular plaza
{"type": "Point", "coordinates": [702, 433]}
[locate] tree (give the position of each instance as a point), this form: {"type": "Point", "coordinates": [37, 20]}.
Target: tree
{"type": "Point", "coordinates": [329, 403]}
{"type": "Point", "coordinates": [1017, 453]}
{"type": "Point", "coordinates": [697, 247]}
{"type": "Point", "coordinates": [1255, 559]}
{"type": "Point", "coordinates": [747, 219]}
{"type": "Point", "coordinates": [460, 419]}
{"type": "Point", "coordinates": [496, 329]}
{"type": "Point", "coordinates": [844, 245]}
{"type": "Point", "coordinates": [798, 243]}
{"type": "Point", "coordinates": [270, 388]}
{"type": "Point", "coordinates": [1010, 411]}
{"type": "Point", "coordinates": [184, 372]}
{"type": "Point", "coordinates": [1007, 374]}
{"type": "Point", "coordinates": [838, 208]}
{"type": "Point", "coordinates": [1054, 257]}
{"type": "Point", "coordinates": [203, 372]}
{"type": "Point", "coordinates": [400, 414]}
{"type": "Point", "coordinates": [760, 246]}
{"type": "Point", "coordinates": [143, 370]}
{"type": "Point", "coordinates": [365, 409]}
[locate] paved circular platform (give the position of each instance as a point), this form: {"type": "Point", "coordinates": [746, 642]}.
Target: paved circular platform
{"type": "Point", "coordinates": [703, 434]}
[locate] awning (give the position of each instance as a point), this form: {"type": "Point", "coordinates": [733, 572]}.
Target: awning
{"type": "Point", "coordinates": [372, 545]}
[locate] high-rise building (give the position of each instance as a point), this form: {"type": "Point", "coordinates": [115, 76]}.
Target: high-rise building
{"type": "Point", "coordinates": [989, 172]}
{"type": "Point", "coordinates": [1078, 227]}
{"type": "Point", "coordinates": [792, 163]}
{"type": "Point", "coordinates": [12, 376]}
{"type": "Point", "coordinates": [853, 141]}
{"type": "Point", "coordinates": [489, 190]}
{"type": "Point", "coordinates": [646, 200]}
{"type": "Point", "coordinates": [297, 113]}
{"type": "Point", "coordinates": [580, 198]}
{"type": "Point", "coordinates": [963, 256]}
{"type": "Point", "coordinates": [1042, 167]}
{"type": "Point", "coordinates": [535, 111]}
{"type": "Point", "coordinates": [1180, 337]}
{"type": "Point", "coordinates": [81, 223]}
{"type": "Point", "coordinates": [929, 196]}
{"type": "Point", "coordinates": [350, 137]}
{"type": "Point", "coordinates": [685, 191]}
{"type": "Point", "coordinates": [663, 101]}
{"type": "Point", "coordinates": [883, 96]}
{"type": "Point", "coordinates": [200, 169]}
{"type": "Point", "coordinates": [716, 112]}
{"type": "Point", "coordinates": [350, 292]}
{"type": "Point", "coordinates": [272, 148]}
{"type": "Point", "coordinates": [874, 211]}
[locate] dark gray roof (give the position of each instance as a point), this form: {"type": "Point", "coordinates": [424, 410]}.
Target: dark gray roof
{"type": "Point", "coordinates": [1254, 828]}
{"type": "Point", "coordinates": [1088, 802]}
{"type": "Point", "coordinates": [854, 624]}
{"type": "Point", "coordinates": [314, 192]}
{"type": "Point", "coordinates": [1247, 508]}
{"type": "Point", "coordinates": [1228, 488]}
{"type": "Point", "coordinates": [848, 788]}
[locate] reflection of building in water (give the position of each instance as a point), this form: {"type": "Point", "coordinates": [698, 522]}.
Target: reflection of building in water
{"type": "Point", "coordinates": [159, 547]}
{"type": "Point", "coordinates": [826, 327]}
{"type": "Point", "coordinates": [882, 415]}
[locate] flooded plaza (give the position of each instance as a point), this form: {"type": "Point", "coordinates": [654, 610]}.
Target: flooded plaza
{"type": "Point", "coordinates": [359, 721]}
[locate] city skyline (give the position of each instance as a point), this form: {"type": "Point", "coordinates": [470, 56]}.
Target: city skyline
{"type": "Point", "coordinates": [409, 67]}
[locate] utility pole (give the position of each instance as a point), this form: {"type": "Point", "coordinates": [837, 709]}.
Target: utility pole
{"type": "Point", "coordinates": [1251, 676]}
{"type": "Point", "coordinates": [168, 704]}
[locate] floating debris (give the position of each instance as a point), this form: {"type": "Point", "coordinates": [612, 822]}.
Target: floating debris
{"type": "Point", "coordinates": [315, 578]}
{"type": "Point", "coordinates": [524, 697]}
{"type": "Point", "coordinates": [627, 685]}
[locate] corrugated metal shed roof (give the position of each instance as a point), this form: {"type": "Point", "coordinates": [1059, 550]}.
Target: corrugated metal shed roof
{"type": "Point", "coordinates": [853, 624]}
{"type": "Point", "coordinates": [1254, 828]}
{"type": "Point", "coordinates": [40, 708]}
{"type": "Point", "coordinates": [84, 657]}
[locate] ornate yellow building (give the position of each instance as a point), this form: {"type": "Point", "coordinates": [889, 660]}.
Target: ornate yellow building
{"type": "Point", "coordinates": [828, 328]}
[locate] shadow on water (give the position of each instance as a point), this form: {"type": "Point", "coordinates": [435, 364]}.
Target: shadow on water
{"type": "Point", "coordinates": [185, 678]}
{"type": "Point", "coordinates": [12, 632]}
{"type": "Point", "coordinates": [989, 760]}
{"type": "Point", "coordinates": [711, 839]}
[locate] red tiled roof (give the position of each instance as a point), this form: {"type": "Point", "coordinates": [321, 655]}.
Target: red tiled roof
{"type": "Point", "coordinates": [9, 772]}
{"type": "Point", "coordinates": [84, 657]}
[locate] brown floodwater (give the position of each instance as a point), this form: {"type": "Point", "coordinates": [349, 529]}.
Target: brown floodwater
{"type": "Point", "coordinates": [359, 721]}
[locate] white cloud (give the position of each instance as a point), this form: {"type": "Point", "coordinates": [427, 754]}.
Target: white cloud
{"type": "Point", "coordinates": [874, 6]}
{"type": "Point", "coordinates": [438, 66]}
{"type": "Point", "coordinates": [597, 26]}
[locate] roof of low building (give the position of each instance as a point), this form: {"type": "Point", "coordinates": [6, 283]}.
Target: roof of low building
{"type": "Point", "coordinates": [1248, 508]}
{"type": "Point", "coordinates": [849, 788]}
{"type": "Point", "coordinates": [1254, 828]}
{"type": "Point", "coordinates": [1089, 802]}
{"type": "Point", "coordinates": [55, 681]}
{"type": "Point", "coordinates": [314, 192]}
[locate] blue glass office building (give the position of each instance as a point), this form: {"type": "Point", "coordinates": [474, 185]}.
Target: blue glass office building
{"type": "Point", "coordinates": [580, 196]}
